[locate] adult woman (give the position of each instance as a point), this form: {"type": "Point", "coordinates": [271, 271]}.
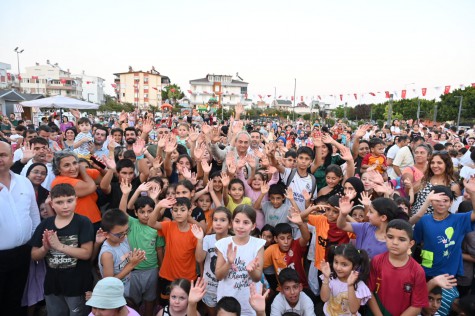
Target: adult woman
{"type": "Point", "coordinates": [37, 173]}
{"type": "Point", "coordinates": [421, 158]}
{"type": "Point", "coordinates": [439, 172]}
{"type": "Point", "coordinates": [67, 170]}
{"type": "Point", "coordinates": [360, 147]}
{"type": "Point", "coordinates": [65, 124]}
{"type": "Point", "coordinates": [68, 141]}
{"type": "Point", "coordinates": [395, 130]}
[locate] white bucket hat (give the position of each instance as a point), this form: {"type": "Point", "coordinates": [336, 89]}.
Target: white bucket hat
{"type": "Point", "coordinates": [108, 294]}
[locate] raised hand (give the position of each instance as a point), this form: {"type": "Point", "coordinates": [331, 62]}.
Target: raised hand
{"type": "Point", "coordinates": [345, 205]}
{"type": "Point", "coordinates": [139, 147]}
{"type": "Point", "coordinates": [162, 140]}
{"type": "Point", "coordinates": [75, 113]}
{"type": "Point", "coordinates": [206, 166]}
{"type": "Point", "coordinates": [109, 162]}
{"type": "Point", "coordinates": [271, 170]}
{"type": "Point", "coordinates": [365, 198]}
{"type": "Point", "coordinates": [345, 154]}
{"type": "Point", "coordinates": [154, 191]}
{"type": "Point", "coordinates": [325, 268]}
{"type": "Point", "coordinates": [186, 173]}
{"type": "Point", "coordinates": [239, 108]}
{"type": "Point", "coordinates": [111, 144]}
{"type": "Point", "coordinates": [157, 162]}
{"type": "Point", "coordinates": [147, 126]}
{"type": "Point", "coordinates": [101, 236]}
{"type": "Point", "coordinates": [231, 253]}
{"type": "Point", "coordinates": [251, 161]}
{"type": "Point", "coordinates": [258, 153]}
{"type": "Point", "coordinates": [232, 167]}
{"type": "Point", "coordinates": [289, 194]}
{"type": "Point", "coordinates": [206, 129]}
{"type": "Point", "coordinates": [306, 195]}
{"type": "Point", "coordinates": [265, 188]}
{"type": "Point", "coordinates": [445, 281]}
{"type": "Point", "coordinates": [294, 216]}
{"type": "Point", "coordinates": [197, 231]}
{"type": "Point", "coordinates": [136, 256]}
{"type": "Point", "coordinates": [469, 185]}
{"type": "Point", "coordinates": [253, 265]}
{"type": "Point", "coordinates": [126, 187]}
{"type": "Point", "coordinates": [237, 127]}
{"type": "Point", "coordinates": [193, 135]}
{"type": "Point", "coordinates": [436, 196]}
{"type": "Point", "coordinates": [215, 135]}
{"type": "Point", "coordinates": [257, 300]}
{"type": "Point", "coordinates": [123, 116]}
{"type": "Point", "coordinates": [352, 278]}
{"type": "Point", "coordinates": [361, 131]}
{"type": "Point", "coordinates": [197, 291]}
{"type": "Point", "coordinates": [28, 152]}
{"type": "Point", "coordinates": [327, 139]}
{"type": "Point", "coordinates": [194, 179]}
{"type": "Point", "coordinates": [144, 187]}
{"type": "Point", "coordinates": [170, 145]}
{"type": "Point", "coordinates": [166, 203]}
{"type": "Point", "coordinates": [241, 163]}
{"type": "Point", "coordinates": [199, 151]}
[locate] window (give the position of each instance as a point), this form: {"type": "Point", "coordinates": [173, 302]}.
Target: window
{"type": "Point", "coordinates": [145, 95]}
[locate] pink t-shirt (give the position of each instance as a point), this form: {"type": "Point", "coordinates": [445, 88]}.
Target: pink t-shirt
{"type": "Point", "coordinates": [132, 312]}
{"type": "Point", "coordinates": [416, 173]}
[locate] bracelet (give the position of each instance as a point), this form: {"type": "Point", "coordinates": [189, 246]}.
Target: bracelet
{"type": "Point", "coordinates": [140, 157]}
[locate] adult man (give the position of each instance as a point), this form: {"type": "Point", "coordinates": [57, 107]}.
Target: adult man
{"type": "Point", "coordinates": [37, 152]}
{"type": "Point", "coordinates": [44, 131]}
{"type": "Point", "coordinates": [401, 141]}
{"type": "Point", "coordinates": [255, 141]}
{"type": "Point", "coordinates": [18, 220]}
{"type": "Point", "coordinates": [100, 147]}
{"type": "Point", "coordinates": [130, 137]}
{"type": "Point", "coordinates": [404, 157]}
{"type": "Point", "coordinates": [27, 136]}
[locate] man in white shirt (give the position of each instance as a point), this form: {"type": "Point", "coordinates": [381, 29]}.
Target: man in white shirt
{"type": "Point", "coordinates": [401, 142]}
{"type": "Point", "coordinates": [19, 217]}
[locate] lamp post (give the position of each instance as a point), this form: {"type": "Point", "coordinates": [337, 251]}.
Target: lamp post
{"type": "Point", "coordinates": [295, 87]}
{"type": "Point", "coordinates": [460, 109]}
{"type": "Point", "coordinates": [18, 52]}
{"type": "Point", "coordinates": [390, 110]}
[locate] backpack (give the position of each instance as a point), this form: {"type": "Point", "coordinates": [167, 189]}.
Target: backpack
{"type": "Point", "coordinates": [292, 175]}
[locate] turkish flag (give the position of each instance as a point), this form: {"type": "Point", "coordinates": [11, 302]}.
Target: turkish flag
{"type": "Point", "coordinates": [34, 77]}
{"type": "Point", "coordinates": [356, 96]}
{"type": "Point", "coordinates": [301, 98]}
{"type": "Point", "coordinates": [154, 88]}
{"type": "Point", "coordinates": [447, 90]}
{"type": "Point", "coordinates": [280, 96]}
{"type": "Point", "coordinates": [387, 94]}
{"type": "Point", "coordinates": [9, 76]}
{"type": "Point", "coordinates": [19, 77]}
{"type": "Point", "coordinates": [63, 81]}
{"type": "Point", "coordinates": [424, 91]}
{"type": "Point", "coordinates": [403, 94]}
{"type": "Point", "coordinates": [190, 92]}
{"type": "Point", "coordinates": [341, 97]}
{"type": "Point", "coordinates": [172, 89]}
{"type": "Point", "coordinates": [373, 94]}
{"type": "Point", "coordinates": [473, 85]}
{"type": "Point", "coordinates": [269, 95]}
{"type": "Point", "coordinates": [292, 98]}
{"type": "Point", "coordinates": [113, 85]}
{"type": "Point", "coordinates": [319, 97]}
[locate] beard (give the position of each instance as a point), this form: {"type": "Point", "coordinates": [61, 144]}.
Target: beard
{"type": "Point", "coordinates": [130, 141]}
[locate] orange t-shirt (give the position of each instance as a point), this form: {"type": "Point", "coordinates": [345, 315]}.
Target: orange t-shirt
{"type": "Point", "coordinates": [179, 261]}
{"type": "Point", "coordinates": [320, 222]}
{"type": "Point", "coordinates": [86, 205]}
{"type": "Point", "coordinates": [209, 221]}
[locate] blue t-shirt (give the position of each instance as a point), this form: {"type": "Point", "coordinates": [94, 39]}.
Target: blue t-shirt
{"type": "Point", "coordinates": [366, 239]}
{"type": "Point", "coordinates": [442, 249]}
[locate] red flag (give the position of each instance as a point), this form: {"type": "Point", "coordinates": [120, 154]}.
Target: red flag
{"type": "Point", "coordinates": [280, 96]}
{"type": "Point", "coordinates": [154, 88]}
{"type": "Point", "coordinates": [447, 90]}
{"type": "Point", "coordinates": [9, 76]}
{"type": "Point", "coordinates": [403, 94]}
{"type": "Point", "coordinates": [356, 96]}
{"type": "Point", "coordinates": [292, 98]}
{"type": "Point", "coordinates": [63, 81]}
{"type": "Point", "coordinates": [387, 94]}
{"type": "Point", "coordinates": [260, 96]}
{"type": "Point", "coordinates": [319, 97]}
{"type": "Point", "coordinates": [113, 85]}
{"type": "Point", "coordinates": [341, 97]}
{"type": "Point", "coordinates": [34, 77]}
{"type": "Point", "coordinates": [172, 89]}
{"type": "Point", "coordinates": [373, 94]}
{"type": "Point", "coordinates": [269, 95]}
{"type": "Point", "coordinates": [301, 98]}
{"type": "Point", "coordinates": [473, 85]}
{"type": "Point", "coordinates": [190, 92]}
{"type": "Point", "coordinates": [424, 91]}
{"type": "Point", "coordinates": [19, 77]}
{"type": "Point", "coordinates": [245, 95]}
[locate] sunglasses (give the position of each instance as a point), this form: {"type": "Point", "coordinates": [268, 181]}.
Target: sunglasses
{"type": "Point", "coordinates": [120, 235]}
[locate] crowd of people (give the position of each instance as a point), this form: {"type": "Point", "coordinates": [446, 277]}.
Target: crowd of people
{"type": "Point", "coordinates": [190, 216]}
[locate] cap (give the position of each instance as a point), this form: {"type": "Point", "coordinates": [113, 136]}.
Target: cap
{"type": "Point", "coordinates": [108, 294]}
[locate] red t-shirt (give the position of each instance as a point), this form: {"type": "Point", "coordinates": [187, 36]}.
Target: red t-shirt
{"type": "Point", "coordinates": [179, 261]}
{"type": "Point", "coordinates": [273, 256]}
{"type": "Point", "coordinates": [398, 288]}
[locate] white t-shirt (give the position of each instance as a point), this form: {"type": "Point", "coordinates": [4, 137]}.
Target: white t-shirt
{"type": "Point", "coordinates": [299, 184]}
{"type": "Point", "coordinates": [304, 306]}
{"type": "Point", "coordinates": [209, 243]}
{"type": "Point", "coordinates": [466, 172]}
{"type": "Point", "coordinates": [236, 283]}
{"type": "Point", "coordinates": [391, 155]}
{"type": "Point", "coordinates": [404, 158]}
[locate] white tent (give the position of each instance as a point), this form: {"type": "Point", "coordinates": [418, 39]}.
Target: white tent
{"type": "Point", "coordinates": [60, 102]}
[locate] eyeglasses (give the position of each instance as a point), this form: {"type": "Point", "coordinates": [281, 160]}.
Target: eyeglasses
{"type": "Point", "coordinates": [43, 173]}
{"type": "Point", "coordinates": [163, 132]}
{"type": "Point", "coordinates": [441, 152]}
{"type": "Point", "coordinates": [120, 235]}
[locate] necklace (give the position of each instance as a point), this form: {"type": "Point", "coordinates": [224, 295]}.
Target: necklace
{"type": "Point", "coordinates": [441, 219]}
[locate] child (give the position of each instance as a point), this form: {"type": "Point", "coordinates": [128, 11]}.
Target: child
{"type": "Point", "coordinates": [180, 261]}
{"type": "Point", "coordinates": [376, 156]}
{"type": "Point", "coordinates": [115, 257]}
{"type": "Point", "coordinates": [108, 299]}
{"type": "Point", "coordinates": [442, 233]}
{"type": "Point", "coordinates": [206, 251]}
{"type": "Point", "coordinates": [403, 204]}
{"type": "Point", "coordinates": [288, 252]}
{"type": "Point", "coordinates": [83, 138]}
{"type": "Point", "coordinates": [178, 304]}
{"type": "Point", "coordinates": [333, 178]}
{"type": "Point", "coordinates": [397, 281]}
{"type": "Point", "coordinates": [240, 259]}
{"type": "Point", "coordinates": [302, 183]}
{"type": "Point", "coordinates": [343, 276]}
{"type": "Point", "coordinates": [204, 202]}
{"type": "Point", "coordinates": [236, 193]}
{"type": "Point", "coordinates": [370, 236]}
{"type": "Point", "coordinates": [144, 278]}
{"type": "Point", "coordinates": [435, 301]}
{"type": "Point", "coordinates": [358, 213]}
{"type": "Point", "coordinates": [291, 297]}
{"type": "Point", "coordinates": [65, 242]}
{"type": "Point", "coordinates": [268, 234]}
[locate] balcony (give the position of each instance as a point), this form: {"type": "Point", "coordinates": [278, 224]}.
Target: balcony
{"type": "Point", "coordinates": [61, 87]}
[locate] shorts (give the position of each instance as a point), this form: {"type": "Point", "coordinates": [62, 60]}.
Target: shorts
{"type": "Point", "coordinates": [210, 299]}
{"type": "Point", "coordinates": [143, 285]}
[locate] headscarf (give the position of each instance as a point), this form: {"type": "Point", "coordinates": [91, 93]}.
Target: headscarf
{"type": "Point", "coordinates": [358, 186]}
{"type": "Point", "coordinates": [282, 138]}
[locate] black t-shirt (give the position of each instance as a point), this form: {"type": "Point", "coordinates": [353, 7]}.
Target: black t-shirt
{"type": "Point", "coordinates": [197, 214]}
{"type": "Point", "coordinates": [116, 194]}
{"type": "Point", "coordinates": [66, 275]}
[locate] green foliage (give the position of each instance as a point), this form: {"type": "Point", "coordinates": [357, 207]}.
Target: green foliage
{"type": "Point", "coordinates": [173, 93]}
{"type": "Point", "coordinates": [111, 105]}
{"type": "Point", "coordinates": [449, 105]}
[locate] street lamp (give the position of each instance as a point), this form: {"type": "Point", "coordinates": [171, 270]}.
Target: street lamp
{"type": "Point", "coordinates": [460, 109]}
{"type": "Point", "coordinates": [18, 52]}
{"type": "Point", "coordinates": [390, 109]}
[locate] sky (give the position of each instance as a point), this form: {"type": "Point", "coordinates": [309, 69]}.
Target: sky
{"type": "Point", "coordinates": [329, 47]}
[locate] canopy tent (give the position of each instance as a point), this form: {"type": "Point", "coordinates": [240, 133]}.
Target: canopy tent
{"type": "Point", "coordinates": [60, 102]}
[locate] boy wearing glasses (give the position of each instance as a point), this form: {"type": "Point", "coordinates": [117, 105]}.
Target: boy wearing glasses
{"type": "Point", "coordinates": [65, 242]}
{"type": "Point", "coordinates": [116, 258]}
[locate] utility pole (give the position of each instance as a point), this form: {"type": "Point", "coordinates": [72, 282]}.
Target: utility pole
{"type": "Point", "coordinates": [418, 108]}
{"type": "Point", "coordinates": [390, 110]}
{"type": "Point", "coordinates": [18, 52]}
{"type": "Point", "coordinates": [435, 113]}
{"type": "Point", "coordinates": [295, 87]}
{"type": "Point", "coordinates": [460, 109]}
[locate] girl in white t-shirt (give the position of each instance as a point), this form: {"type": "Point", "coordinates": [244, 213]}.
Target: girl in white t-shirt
{"type": "Point", "coordinates": [206, 252]}
{"type": "Point", "coordinates": [240, 259]}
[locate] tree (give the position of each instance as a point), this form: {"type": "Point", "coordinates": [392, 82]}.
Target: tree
{"type": "Point", "coordinates": [111, 105]}
{"type": "Point", "coordinates": [172, 93]}
{"type": "Point", "coordinates": [449, 106]}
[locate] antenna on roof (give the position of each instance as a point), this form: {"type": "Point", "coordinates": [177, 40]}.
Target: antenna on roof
{"type": "Point", "coordinates": [237, 75]}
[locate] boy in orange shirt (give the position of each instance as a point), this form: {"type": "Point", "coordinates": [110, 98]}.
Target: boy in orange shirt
{"type": "Point", "coordinates": [376, 157]}
{"type": "Point", "coordinates": [179, 260]}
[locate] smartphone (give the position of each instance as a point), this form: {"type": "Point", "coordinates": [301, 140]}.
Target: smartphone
{"type": "Point", "coordinates": [97, 162]}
